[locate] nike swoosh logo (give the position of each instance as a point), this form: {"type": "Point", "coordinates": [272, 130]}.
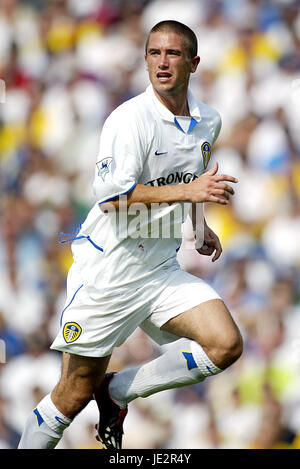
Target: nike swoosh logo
{"type": "Point", "coordinates": [60, 421]}
{"type": "Point", "coordinates": [210, 370]}
{"type": "Point", "coordinates": [160, 153]}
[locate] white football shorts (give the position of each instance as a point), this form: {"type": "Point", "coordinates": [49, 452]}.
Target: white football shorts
{"type": "Point", "coordinates": [94, 328]}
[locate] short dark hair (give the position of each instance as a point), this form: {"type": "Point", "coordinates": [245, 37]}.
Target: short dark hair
{"type": "Point", "coordinates": [180, 29]}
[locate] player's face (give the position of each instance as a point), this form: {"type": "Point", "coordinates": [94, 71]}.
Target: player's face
{"type": "Point", "coordinates": [168, 63]}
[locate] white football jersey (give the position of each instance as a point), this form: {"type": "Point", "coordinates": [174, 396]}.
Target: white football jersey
{"type": "Point", "coordinates": [141, 142]}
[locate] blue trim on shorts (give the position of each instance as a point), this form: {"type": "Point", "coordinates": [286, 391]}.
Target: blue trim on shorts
{"type": "Point", "coordinates": [74, 237]}
{"type": "Point", "coordinates": [93, 243]}
{"type": "Point", "coordinates": [69, 304]}
{"type": "Point", "coordinates": [68, 237]}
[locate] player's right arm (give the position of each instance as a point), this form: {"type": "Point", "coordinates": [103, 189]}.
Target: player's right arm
{"type": "Point", "coordinates": [122, 154]}
{"type": "Point", "coordinates": [209, 187]}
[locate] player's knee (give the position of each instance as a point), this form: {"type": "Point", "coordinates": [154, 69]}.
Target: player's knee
{"type": "Point", "coordinates": [227, 350]}
{"type": "Point", "coordinates": [231, 348]}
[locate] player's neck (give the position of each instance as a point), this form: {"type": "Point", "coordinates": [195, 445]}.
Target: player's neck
{"type": "Point", "coordinates": [177, 104]}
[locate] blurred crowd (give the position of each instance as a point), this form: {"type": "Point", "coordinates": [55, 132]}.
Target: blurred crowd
{"type": "Point", "coordinates": [66, 64]}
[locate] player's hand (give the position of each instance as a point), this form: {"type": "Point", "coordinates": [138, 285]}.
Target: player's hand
{"type": "Point", "coordinates": [211, 244]}
{"type": "Point", "coordinates": [211, 187]}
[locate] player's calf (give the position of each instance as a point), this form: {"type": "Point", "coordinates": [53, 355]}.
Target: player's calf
{"type": "Point", "coordinates": [80, 378]}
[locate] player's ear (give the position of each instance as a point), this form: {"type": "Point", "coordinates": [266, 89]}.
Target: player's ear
{"type": "Point", "coordinates": [146, 61]}
{"type": "Point", "coordinates": [195, 63]}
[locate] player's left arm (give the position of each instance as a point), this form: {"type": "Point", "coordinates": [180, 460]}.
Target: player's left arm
{"type": "Point", "coordinates": [211, 244]}
{"type": "Point", "coordinates": [196, 227]}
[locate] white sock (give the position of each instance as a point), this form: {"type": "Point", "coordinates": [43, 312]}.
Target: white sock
{"type": "Point", "coordinates": [184, 362]}
{"type": "Point", "coordinates": [44, 426]}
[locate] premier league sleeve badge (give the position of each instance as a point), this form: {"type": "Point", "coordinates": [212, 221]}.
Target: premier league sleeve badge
{"type": "Point", "coordinates": [104, 167]}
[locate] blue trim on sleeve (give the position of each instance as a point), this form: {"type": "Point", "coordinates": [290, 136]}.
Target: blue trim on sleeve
{"type": "Point", "coordinates": [69, 303]}
{"type": "Point", "coordinates": [116, 196]}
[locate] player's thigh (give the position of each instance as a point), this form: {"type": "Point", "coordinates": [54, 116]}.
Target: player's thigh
{"type": "Point", "coordinates": [209, 323]}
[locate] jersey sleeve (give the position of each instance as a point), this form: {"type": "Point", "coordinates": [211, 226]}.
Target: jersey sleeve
{"type": "Point", "coordinates": [120, 157]}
